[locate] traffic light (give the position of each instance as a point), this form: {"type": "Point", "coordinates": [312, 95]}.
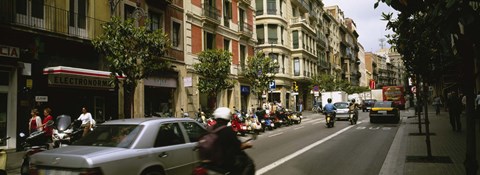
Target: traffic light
{"type": "Point", "coordinates": [295, 87]}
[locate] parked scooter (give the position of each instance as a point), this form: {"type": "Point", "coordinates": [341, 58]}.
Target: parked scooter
{"type": "Point", "coordinates": [66, 131]}
{"type": "Point", "coordinates": [34, 143]}
{"type": "Point", "coordinates": [238, 125]}
{"type": "Point", "coordinates": [295, 117]}
{"type": "Point", "coordinates": [3, 157]}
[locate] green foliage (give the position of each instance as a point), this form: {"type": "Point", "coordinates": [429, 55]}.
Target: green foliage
{"type": "Point", "coordinates": [424, 30]}
{"type": "Point", "coordinates": [131, 51]}
{"type": "Point", "coordinates": [328, 83]}
{"type": "Point", "coordinates": [214, 69]}
{"type": "Point", "coordinates": [260, 72]}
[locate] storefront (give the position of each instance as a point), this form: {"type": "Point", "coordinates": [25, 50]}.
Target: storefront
{"type": "Point", "coordinates": [69, 89]}
{"type": "Point", "coordinates": [159, 96]}
{"type": "Point", "coordinates": [8, 90]}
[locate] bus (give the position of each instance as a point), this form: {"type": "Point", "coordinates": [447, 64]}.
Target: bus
{"type": "Point", "coordinates": [396, 94]}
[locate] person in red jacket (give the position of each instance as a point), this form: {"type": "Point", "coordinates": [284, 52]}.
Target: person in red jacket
{"type": "Point", "coordinates": [48, 129]}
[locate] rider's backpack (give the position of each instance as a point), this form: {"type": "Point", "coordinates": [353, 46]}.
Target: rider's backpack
{"type": "Point", "coordinates": [208, 148]}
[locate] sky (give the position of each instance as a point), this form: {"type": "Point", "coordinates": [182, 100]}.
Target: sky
{"type": "Point", "coordinates": [370, 27]}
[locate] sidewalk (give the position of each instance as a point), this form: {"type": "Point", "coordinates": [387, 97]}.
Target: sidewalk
{"type": "Point", "coordinates": [445, 143]}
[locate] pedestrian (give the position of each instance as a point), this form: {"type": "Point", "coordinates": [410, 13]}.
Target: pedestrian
{"type": "Point", "coordinates": [437, 102]}
{"type": "Point", "coordinates": [477, 104]}
{"type": "Point", "coordinates": [35, 123]}
{"type": "Point", "coordinates": [300, 105]}
{"type": "Point", "coordinates": [233, 158]}
{"type": "Point", "coordinates": [464, 101]}
{"type": "Point", "coordinates": [48, 129]}
{"type": "Point", "coordinates": [454, 110]}
{"type": "Point", "coordinates": [87, 121]}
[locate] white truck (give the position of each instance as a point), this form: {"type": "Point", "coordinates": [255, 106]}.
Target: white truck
{"type": "Point", "coordinates": [356, 96]}
{"type": "Point", "coordinates": [336, 96]}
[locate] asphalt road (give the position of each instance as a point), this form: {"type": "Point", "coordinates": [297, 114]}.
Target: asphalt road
{"type": "Point", "coordinates": [311, 148]}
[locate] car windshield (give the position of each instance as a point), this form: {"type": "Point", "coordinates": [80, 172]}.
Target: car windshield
{"type": "Point", "coordinates": [384, 104]}
{"type": "Point", "coordinates": [341, 105]}
{"type": "Point", "coordinates": [121, 136]}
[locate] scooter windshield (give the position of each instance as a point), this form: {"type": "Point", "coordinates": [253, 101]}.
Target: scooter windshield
{"type": "Point", "coordinates": [63, 122]}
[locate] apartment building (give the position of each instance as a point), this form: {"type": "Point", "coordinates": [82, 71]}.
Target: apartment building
{"type": "Point", "coordinates": [219, 24]}
{"type": "Point", "coordinates": [365, 75]}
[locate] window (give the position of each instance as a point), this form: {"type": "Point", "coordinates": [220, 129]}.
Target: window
{"type": "Point", "coordinates": [156, 20]}
{"type": "Point", "coordinates": [259, 7]}
{"type": "Point", "coordinates": [242, 56]}
{"type": "Point", "coordinates": [241, 19]}
{"type": "Point", "coordinates": [128, 11]}
{"type": "Point", "coordinates": [209, 40]}
{"type": "Point", "coordinates": [260, 34]}
{"type": "Point", "coordinates": [77, 13]}
{"type": "Point", "coordinates": [30, 12]}
{"type": "Point", "coordinates": [194, 131]}
{"type": "Point", "coordinates": [272, 34]}
{"type": "Point", "coordinates": [296, 67]}
{"type": "Point", "coordinates": [4, 78]}
{"type": "Point", "coordinates": [226, 44]}
{"type": "Point", "coordinates": [271, 7]}
{"type": "Point", "coordinates": [227, 13]}
{"type": "Point", "coordinates": [295, 39]}
{"type": "Point", "coordinates": [169, 134]}
{"type": "Point", "coordinates": [176, 34]}
{"type": "Point", "coordinates": [281, 34]}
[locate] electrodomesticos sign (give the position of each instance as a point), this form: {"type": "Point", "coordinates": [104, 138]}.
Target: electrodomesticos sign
{"type": "Point", "coordinates": [79, 81]}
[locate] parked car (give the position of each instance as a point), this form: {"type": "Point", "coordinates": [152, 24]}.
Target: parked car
{"type": "Point", "coordinates": [342, 110]}
{"type": "Point", "coordinates": [367, 104]}
{"type": "Point", "coordinates": [127, 146]}
{"type": "Point", "coordinates": [384, 111]}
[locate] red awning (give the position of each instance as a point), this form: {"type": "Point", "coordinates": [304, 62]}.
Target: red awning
{"type": "Point", "coordinates": [78, 71]}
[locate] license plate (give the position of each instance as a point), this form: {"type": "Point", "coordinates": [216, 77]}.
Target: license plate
{"type": "Point", "coordinates": [55, 172]}
{"type": "Point", "coordinates": [382, 112]}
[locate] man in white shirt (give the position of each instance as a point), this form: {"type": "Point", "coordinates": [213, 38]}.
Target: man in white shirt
{"type": "Point", "coordinates": [87, 121]}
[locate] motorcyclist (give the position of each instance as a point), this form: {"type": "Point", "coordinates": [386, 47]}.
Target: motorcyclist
{"type": "Point", "coordinates": [353, 107]}
{"type": "Point", "coordinates": [231, 146]}
{"type": "Point", "coordinates": [329, 108]}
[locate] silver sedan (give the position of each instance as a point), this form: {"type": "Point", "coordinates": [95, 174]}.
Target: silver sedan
{"type": "Point", "coordinates": [130, 146]}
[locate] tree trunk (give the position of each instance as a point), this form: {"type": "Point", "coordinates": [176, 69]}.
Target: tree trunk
{"type": "Point", "coordinates": [427, 122]}
{"type": "Point", "coordinates": [418, 106]}
{"type": "Point", "coordinates": [466, 51]}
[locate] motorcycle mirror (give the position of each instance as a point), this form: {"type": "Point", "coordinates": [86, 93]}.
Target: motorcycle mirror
{"type": "Point", "coordinates": [22, 134]}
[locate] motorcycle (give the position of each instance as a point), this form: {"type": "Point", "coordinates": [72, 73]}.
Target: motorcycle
{"type": "Point", "coordinates": [34, 143]}
{"type": "Point", "coordinates": [353, 117]}
{"type": "Point", "coordinates": [66, 131]}
{"type": "Point", "coordinates": [238, 125]}
{"type": "Point", "coordinates": [330, 119]}
{"type": "Point", "coordinates": [295, 117]}
{"type": "Point", "coordinates": [207, 168]}
{"type": "Point", "coordinates": [3, 157]}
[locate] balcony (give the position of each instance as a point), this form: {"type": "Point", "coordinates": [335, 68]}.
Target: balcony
{"type": "Point", "coordinates": [245, 29]}
{"type": "Point", "coordinates": [52, 20]}
{"type": "Point", "coordinates": [211, 14]}
{"type": "Point", "coordinates": [246, 2]}
{"type": "Point", "coordinates": [302, 4]}
{"type": "Point", "coordinates": [322, 40]}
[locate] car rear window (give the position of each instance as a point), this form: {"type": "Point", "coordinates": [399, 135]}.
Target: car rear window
{"type": "Point", "coordinates": [383, 104]}
{"type": "Point", "coordinates": [111, 136]}
{"type": "Point", "coordinates": [341, 105]}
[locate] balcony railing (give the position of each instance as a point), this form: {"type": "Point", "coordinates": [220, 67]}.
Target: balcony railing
{"type": "Point", "coordinates": [247, 2]}
{"type": "Point", "coordinates": [53, 20]}
{"type": "Point", "coordinates": [245, 29]}
{"type": "Point", "coordinates": [211, 13]}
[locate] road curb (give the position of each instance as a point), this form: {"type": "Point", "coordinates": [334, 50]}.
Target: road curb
{"type": "Point", "coordinates": [395, 161]}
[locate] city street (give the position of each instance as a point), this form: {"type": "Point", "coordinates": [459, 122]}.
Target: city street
{"type": "Point", "coordinates": [311, 148]}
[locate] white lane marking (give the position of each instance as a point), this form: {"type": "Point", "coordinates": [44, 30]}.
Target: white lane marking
{"type": "Point", "coordinates": [361, 127]}
{"type": "Point", "coordinates": [301, 151]}
{"type": "Point", "coordinates": [273, 135]}
{"type": "Point", "coordinates": [298, 128]}
{"type": "Point", "coordinates": [317, 122]}
{"type": "Point", "coordinates": [313, 120]}
{"type": "Point", "coordinates": [374, 128]}
{"type": "Point", "coordinates": [386, 128]}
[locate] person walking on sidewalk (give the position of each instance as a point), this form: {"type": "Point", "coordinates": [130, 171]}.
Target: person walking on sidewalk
{"type": "Point", "coordinates": [477, 103]}
{"type": "Point", "coordinates": [437, 102]}
{"type": "Point", "coordinates": [454, 110]}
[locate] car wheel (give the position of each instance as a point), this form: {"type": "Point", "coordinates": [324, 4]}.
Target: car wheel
{"type": "Point", "coordinates": [153, 171]}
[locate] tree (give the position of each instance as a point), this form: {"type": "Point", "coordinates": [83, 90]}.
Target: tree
{"type": "Point", "coordinates": [433, 34]}
{"type": "Point", "coordinates": [214, 71]}
{"type": "Point", "coordinates": [260, 72]}
{"type": "Point", "coordinates": [132, 52]}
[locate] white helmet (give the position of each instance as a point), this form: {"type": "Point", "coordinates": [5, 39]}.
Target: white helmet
{"type": "Point", "coordinates": [222, 113]}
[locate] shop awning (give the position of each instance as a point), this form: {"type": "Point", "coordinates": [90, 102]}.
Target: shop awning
{"type": "Point", "coordinates": [78, 72]}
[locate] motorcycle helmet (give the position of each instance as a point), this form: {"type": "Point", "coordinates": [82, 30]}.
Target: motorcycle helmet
{"type": "Point", "coordinates": [353, 100]}
{"type": "Point", "coordinates": [329, 100]}
{"type": "Point", "coordinates": [222, 113]}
